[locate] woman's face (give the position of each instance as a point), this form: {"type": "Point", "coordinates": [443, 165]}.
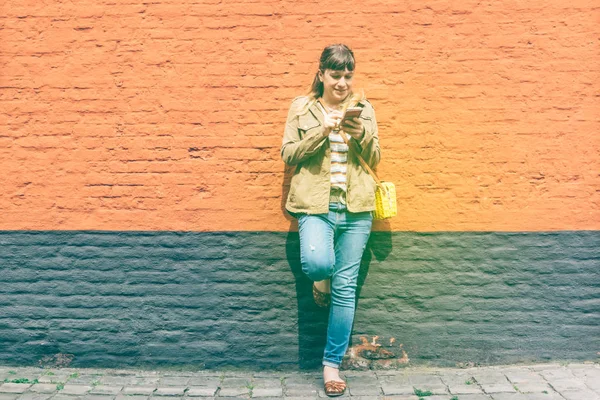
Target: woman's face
{"type": "Point", "coordinates": [336, 84]}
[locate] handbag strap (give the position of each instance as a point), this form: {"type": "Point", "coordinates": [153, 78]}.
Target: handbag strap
{"type": "Point", "coordinates": [353, 146]}
{"type": "Point", "coordinates": [360, 159]}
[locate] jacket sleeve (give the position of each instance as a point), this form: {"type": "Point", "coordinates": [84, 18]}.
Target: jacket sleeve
{"type": "Point", "coordinates": [369, 144]}
{"type": "Point", "coordinates": [294, 148]}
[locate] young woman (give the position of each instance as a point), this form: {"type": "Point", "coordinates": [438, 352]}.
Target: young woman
{"type": "Point", "coordinates": [332, 195]}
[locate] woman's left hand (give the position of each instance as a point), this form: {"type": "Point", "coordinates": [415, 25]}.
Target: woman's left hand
{"type": "Point", "coordinates": [354, 127]}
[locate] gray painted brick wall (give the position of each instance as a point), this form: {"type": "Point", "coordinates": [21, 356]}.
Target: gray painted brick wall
{"type": "Point", "coordinates": [240, 299]}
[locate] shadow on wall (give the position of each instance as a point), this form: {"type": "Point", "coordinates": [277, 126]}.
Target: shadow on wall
{"type": "Point", "coordinates": [312, 320]}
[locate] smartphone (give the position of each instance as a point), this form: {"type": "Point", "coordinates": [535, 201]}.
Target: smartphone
{"type": "Point", "coordinates": [351, 112]}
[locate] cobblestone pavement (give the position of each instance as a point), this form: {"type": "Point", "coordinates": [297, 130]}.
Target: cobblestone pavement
{"type": "Point", "coordinates": [533, 382]}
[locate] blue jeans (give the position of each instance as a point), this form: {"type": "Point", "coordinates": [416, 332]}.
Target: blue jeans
{"type": "Point", "coordinates": [331, 246]}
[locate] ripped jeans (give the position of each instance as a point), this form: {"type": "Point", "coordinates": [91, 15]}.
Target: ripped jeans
{"type": "Point", "coordinates": [331, 246]}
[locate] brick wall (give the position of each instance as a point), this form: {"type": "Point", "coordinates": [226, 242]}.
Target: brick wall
{"type": "Point", "coordinates": [141, 210]}
{"type": "Point", "coordinates": [169, 115]}
{"type": "Point", "coordinates": [240, 299]}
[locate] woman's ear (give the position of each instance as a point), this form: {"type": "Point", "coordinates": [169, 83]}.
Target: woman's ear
{"type": "Point", "coordinates": [320, 75]}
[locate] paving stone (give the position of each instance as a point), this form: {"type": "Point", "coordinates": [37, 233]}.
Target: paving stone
{"type": "Point", "coordinates": [116, 380]}
{"type": "Point", "coordinates": [557, 374]}
{"type": "Point", "coordinates": [180, 374]}
{"type": "Point", "coordinates": [267, 392]}
{"type": "Point", "coordinates": [428, 383]}
{"type": "Point", "coordinates": [499, 387]}
{"type": "Point", "coordinates": [544, 396]}
{"type": "Point", "coordinates": [206, 381]}
{"type": "Point", "coordinates": [61, 396]}
{"type": "Point", "coordinates": [396, 388]}
{"type": "Point", "coordinates": [355, 381]}
{"type": "Point", "coordinates": [237, 381]}
{"type": "Point", "coordinates": [568, 385]}
{"type": "Point", "coordinates": [172, 391]}
{"type": "Point", "coordinates": [213, 373]}
{"type": "Point", "coordinates": [390, 372]}
{"type": "Point", "coordinates": [464, 389]}
{"type": "Point", "coordinates": [364, 397]}
{"type": "Point", "coordinates": [359, 374]}
{"type": "Point", "coordinates": [266, 383]}
{"type": "Point", "coordinates": [301, 397]}
{"type": "Point", "coordinates": [21, 378]}
{"type": "Point", "coordinates": [438, 397]}
{"type": "Point", "coordinates": [98, 397]}
{"type": "Point", "coordinates": [457, 383]}
{"type": "Point", "coordinates": [128, 381]}
{"type": "Point", "coordinates": [234, 397]}
{"type": "Point", "coordinates": [84, 380]}
{"type": "Point", "coordinates": [60, 377]}
{"type": "Point", "coordinates": [203, 398]}
{"type": "Point", "coordinates": [145, 381]}
{"type": "Point", "coordinates": [104, 390]}
{"type": "Point", "coordinates": [75, 389]}
{"type": "Point", "coordinates": [533, 387]}
{"type": "Point", "coordinates": [300, 378]}
{"type": "Point", "coordinates": [579, 366]}
{"type": "Point", "coordinates": [593, 383]}
{"type": "Point", "coordinates": [541, 367]}
{"type": "Point", "coordinates": [489, 376]}
{"type": "Point", "coordinates": [523, 375]}
{"type": "Point", "coordinates": [527, 396]}
{"type": "Point", "coordinates": [590, 375]}
{"type": "Point", "coordinates": [298, 391]}
{"type": "Point", "coordinates": [277, 375]}
{"type": "Point", "coordinates": [202, 391]}
{"type": "Point", "coordinates": [474, 397]}
{"type": "Point", "coordinates": [4, 374]}
{"type": "Point", "coordinates": [174, 381]}
{"type": "Point", "coordinates": [23, 373]}
{"type": "Point", "coordinates": [35, 396]}
{"type": "Point", "coordinates": [122, 396]}
{"type": "Point", "coordinates": [580, 395]}
{"type": "Point", "coordinates": [138, 390]}
{"type": "Point", "coordinates": [43, 388]}
{"type": "Point", "coordinates": [232, 392]}
{"type": "Point", "coordinates": [455, 376]}
{"type": "Point", "coordinates": [398, 379]}
{"type": "Point", "coordinates": [364, 390]}
{"type": "Point", "coordinates": [14, 387]}
{"type": "Point", "coordinates": [117, 372]}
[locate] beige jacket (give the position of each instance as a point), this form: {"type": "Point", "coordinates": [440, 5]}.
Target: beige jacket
{"type": "Point", "coordinates": [305, 147]}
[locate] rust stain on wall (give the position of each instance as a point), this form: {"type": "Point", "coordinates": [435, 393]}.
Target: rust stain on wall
{"type": "Point", "coordinates": [371, 354]}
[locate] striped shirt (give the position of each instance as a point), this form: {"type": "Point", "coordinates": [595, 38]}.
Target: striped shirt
{"type": "Point", "coordinates": [339, 157]}
{"type": "Point", "coordinates": [339, 160]}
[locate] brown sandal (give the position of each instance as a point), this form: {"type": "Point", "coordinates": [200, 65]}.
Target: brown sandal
{"type": "Point", "coordinates": [335, 388]}
{"type": "Point", "coordinates": [322, 299]}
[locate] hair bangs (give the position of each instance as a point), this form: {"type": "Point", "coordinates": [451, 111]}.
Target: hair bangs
{"type": "Point", "coordinates": [338, 58]}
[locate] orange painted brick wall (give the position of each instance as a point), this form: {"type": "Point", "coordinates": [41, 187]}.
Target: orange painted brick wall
{"type": "Point", "coordinates": [168, 115]}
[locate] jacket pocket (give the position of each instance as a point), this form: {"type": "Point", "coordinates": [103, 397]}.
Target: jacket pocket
{"type": "Point", "coordinates": [307, 123]}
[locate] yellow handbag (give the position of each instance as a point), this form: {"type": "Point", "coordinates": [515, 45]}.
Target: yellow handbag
{"type": "Point", "coordinates": [385, 200]}
{"type": "Point", "coordinates": [385, 195]}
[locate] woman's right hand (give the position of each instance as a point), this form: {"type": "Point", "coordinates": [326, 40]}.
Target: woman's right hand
{"type": "Point", "coordinates": [331, 121]}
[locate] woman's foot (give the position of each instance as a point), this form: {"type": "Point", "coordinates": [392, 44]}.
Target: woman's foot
{"type": "Point", "coordinates": [322, 293]}
{"type": "Point", "coordinates": [334, 385]}
{"type": "Point", "coordinates": [324, 286]}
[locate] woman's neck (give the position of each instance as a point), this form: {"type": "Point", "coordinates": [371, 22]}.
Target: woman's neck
{"type": "Point", "coordinates": [329, 104]}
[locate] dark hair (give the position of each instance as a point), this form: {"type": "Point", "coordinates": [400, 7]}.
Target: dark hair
{"type": "Point", "coordinates": [337, 57]}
